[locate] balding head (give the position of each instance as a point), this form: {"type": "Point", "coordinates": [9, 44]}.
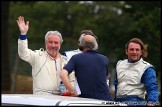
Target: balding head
{"type": "Point", "coordinates": [89, 42]}
{"type": "Point", "coordinates": [88, 38]}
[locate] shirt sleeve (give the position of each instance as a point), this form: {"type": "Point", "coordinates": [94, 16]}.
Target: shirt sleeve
{"type": "Point", "coordinates": [70, 66]}
{"type": "Point", "coordinates": [23, 37]}
{"type": "Point", "coordinates": [149, 80]}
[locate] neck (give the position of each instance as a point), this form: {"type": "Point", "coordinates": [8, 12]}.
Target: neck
{"type": "Point", "coordinates": [85, 49]}
{"type": "Point", "coordinates": [133, 61]}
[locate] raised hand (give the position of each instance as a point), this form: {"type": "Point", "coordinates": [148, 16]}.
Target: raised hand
{"type": "Point", "coordinates": [23, 27]}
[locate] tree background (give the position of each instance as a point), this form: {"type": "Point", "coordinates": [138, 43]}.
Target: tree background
{"type": "Point", "coordinates": [113, 22]}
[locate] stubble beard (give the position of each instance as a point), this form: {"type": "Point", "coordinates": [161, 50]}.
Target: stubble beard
{"type": "Point", "coordinates": [53, 52]}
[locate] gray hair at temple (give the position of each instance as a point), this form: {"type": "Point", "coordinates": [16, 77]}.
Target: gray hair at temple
{"type": "Point", "coordinates": [56, 33]}
{"type": "Point", "coordinates": [92, 45]}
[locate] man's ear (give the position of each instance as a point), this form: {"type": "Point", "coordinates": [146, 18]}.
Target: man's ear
{"type": "Point", "coordinates": [126, 51]}
{"type": "Point", "coordinates": [78, 43]}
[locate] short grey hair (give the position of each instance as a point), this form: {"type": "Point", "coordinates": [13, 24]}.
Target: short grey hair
{"type": "Point", "coordinates": [92, 45]}
{"type": "Point", "coordinates": [54, 33]}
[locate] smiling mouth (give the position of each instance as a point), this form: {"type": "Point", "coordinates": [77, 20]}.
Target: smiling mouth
{"type": "Point", "coordinates": [134, 56]}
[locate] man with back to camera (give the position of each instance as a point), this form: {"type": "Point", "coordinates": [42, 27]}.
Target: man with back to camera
{"type": "Point", "coordinates": [91, 71]}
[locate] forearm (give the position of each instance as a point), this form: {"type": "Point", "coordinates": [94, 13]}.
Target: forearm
{"type": "Point", "coordinates": [72, 78]}
{"type": "Point", "coordinates": [66, 81]}
{"type": "Point", "coordinates": [23, 51]}
{"type": "Point", "coordinates": [22, 48]}
{"type": "Point", "coordinates": [149, 79]}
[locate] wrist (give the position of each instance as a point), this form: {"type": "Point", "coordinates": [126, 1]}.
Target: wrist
{"type": "Point", "coordinates": [71, 92]}
{"type": "Point", "coordinates": [23, 33]}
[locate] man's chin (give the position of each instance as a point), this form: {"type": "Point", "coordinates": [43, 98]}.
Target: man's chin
{"type": "Point", "coordinates": [134, 59]}
{"type": "Point", "coordinates": [52, 52]}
